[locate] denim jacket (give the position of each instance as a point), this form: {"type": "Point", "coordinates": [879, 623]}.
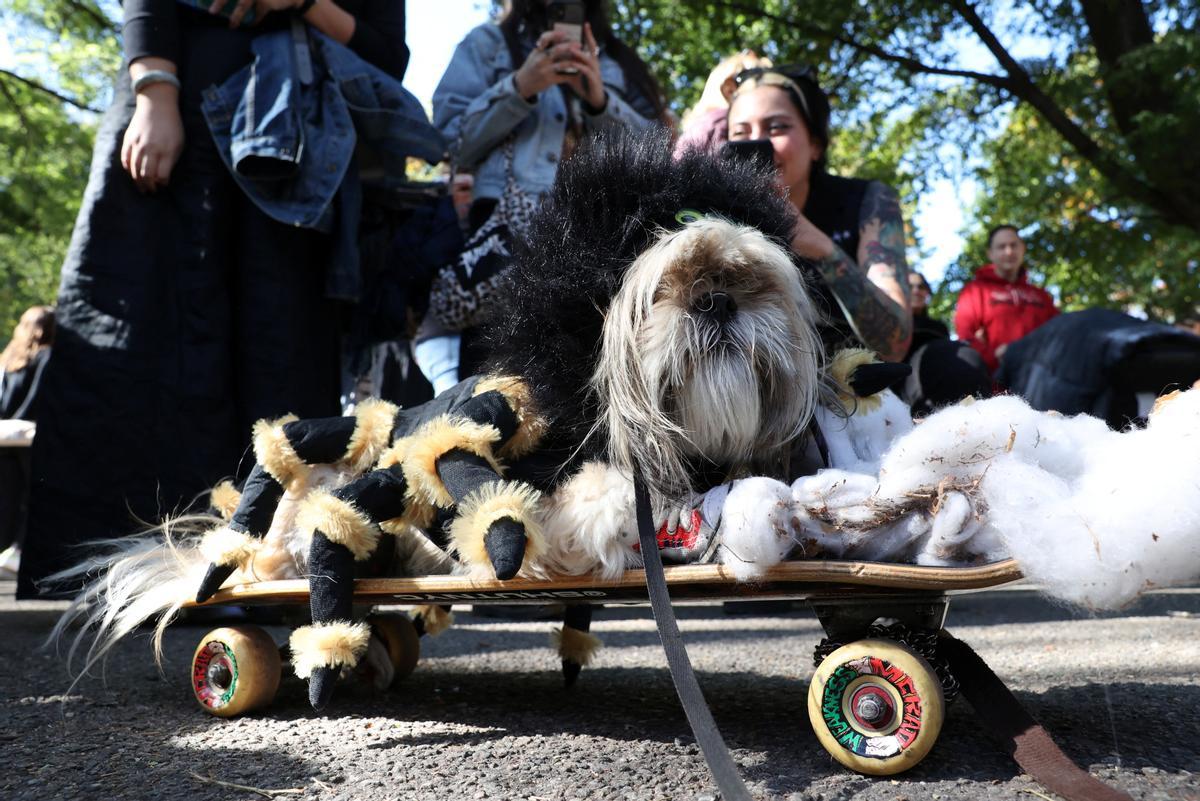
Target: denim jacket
{"type": "Point", "coordinates": [287, 126]}
{"type": "Point", "coordinates": [477, 106]}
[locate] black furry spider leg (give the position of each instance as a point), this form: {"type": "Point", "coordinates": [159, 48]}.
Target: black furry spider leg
{"type": "Point", "coordinates": [504, 540]}
{"type": "Point", "coordinates": [285, 449]}
{"type": "Point", "coordinates": [345, 531]}
{"type": "Point", "coordinates": [577, 617]}
{"type": "Point", "coordinates": [260, 498]}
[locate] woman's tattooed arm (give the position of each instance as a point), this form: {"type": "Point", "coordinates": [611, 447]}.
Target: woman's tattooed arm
{"type": "Point", "coordinates": [873, 291]}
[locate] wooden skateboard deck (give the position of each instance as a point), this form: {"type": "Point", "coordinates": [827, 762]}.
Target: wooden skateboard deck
{"type": "Point", "coordinates": [794, 579]}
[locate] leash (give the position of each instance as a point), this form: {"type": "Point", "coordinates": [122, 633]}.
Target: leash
{"type": "Point", "coordinates": [1022, 737]}
{"type": "Point", "coordinates": [716, 753]}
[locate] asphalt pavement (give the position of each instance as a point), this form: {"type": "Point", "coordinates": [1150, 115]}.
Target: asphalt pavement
{"type": "Point", "coordinates": [485, 715]}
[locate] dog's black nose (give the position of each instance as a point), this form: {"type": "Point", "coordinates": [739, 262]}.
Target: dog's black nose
{"type": "Point", "coordinates": [718, 305]}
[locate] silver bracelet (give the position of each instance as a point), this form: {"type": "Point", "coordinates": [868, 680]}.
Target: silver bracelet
{"type": "Point", "coordinates": [154, 76]}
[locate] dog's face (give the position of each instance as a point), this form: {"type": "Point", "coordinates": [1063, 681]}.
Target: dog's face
{"type": "Point", "coordinates": [710, 352]}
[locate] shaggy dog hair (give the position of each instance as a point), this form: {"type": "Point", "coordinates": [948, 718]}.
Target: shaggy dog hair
{"type": "Point", "coordinates": [657, 316]}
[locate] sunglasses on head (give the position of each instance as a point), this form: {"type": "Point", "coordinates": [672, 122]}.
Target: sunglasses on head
{"type": "Point", "coordinates": [781, 77]}
{"type": "Point", "coordinates": [792, 72]}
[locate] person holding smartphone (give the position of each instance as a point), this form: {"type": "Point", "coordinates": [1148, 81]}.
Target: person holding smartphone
{"type": "Point", "coordinates": [516, 99]}
{"type": "Point", "coordinates": [185, 313]}
{"type": "Point", "coordinates": [849, 232]}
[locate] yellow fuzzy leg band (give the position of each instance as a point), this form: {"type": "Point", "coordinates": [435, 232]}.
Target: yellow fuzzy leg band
{"type": "Point", "coordinates": [340, 521]}
{"type": "Point", "coordinates": [575, 645]}
{"type": "Point", "coordinates": [434, 618]}
{"type": "Point", "coordinates": [333, 644]}
{"type": "Point", "coordinates": [225, 499]}
{"type": "Point", "coordinates": [373, 422]}
{"type": "Point", "coordinates": [843, 365]}
{"type": "Point", "coordinates": [485, 506]}
{"type": "Point", "coordinates": [275, 453]}
{"type": "Point", "coordinates": [530, 425]}
{"type": "Point", "coordinates": [421, 451]}
{"type": "Point", "coordinates": [224, 546]}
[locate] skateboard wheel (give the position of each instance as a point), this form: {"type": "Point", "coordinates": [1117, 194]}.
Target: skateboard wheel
{"type": "Point", "coordinates": [235, 669]}
{"type": "Point", "coordinates": [876, 706]}
{"type": "Point", "coordinates": [400, 637]}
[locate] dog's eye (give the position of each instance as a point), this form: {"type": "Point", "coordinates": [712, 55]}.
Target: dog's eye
{"type": "Point", "coordinates": [685, 216]}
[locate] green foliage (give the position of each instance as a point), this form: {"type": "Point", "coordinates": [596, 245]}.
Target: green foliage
{"type": "Point", "coordinates": [68, 48]}
{"type": "Point", "coordinates": [1091, 148]}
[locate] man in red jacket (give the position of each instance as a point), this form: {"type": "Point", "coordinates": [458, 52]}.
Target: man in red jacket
{"type": "Point", "coordinates": [1000, 305]}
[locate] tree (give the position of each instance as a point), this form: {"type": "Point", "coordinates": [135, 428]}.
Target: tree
{"type": "Point", "coordinates": [1092, 146]}
{"type": "Point", "coordinates": [66, 54]}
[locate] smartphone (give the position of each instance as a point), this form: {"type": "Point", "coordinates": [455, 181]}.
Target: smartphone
{"type": "Point", "coordinates": [567, 16]}
{"type": "Point", "coordinates": [757, 152]}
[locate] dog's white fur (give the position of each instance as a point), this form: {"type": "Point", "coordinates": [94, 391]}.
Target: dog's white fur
{"type": "Point", "coordinates": [675, 385]}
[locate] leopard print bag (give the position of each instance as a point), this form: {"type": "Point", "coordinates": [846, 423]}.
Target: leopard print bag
{"type": "Point", "coordinates": [462, 288]}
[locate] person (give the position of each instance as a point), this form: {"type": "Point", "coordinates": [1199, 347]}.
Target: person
{"type": "Point", "coordinates": [925, 328]}
{"type": "Point", "coordinates": [186, 313]}
{"type": "Point", "coordinates": [516, 99]}
{"type": "Point", "coordinates": [22, 363]}
{"type": "Point", "coordinates": [999, 305]}
{"type": "Point", "coordinates": [849, 232]}
{"type": "Point", "coordinates": [21, 366]}
{"type": "Point", "coordinates": [705, 125]}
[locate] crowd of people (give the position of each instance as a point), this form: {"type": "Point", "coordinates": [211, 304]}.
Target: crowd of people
{"type": "Point", "coordinates": [213, 269]}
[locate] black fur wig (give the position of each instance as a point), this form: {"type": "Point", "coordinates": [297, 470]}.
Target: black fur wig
{"type": "Point", "coordinates": [610, 202]}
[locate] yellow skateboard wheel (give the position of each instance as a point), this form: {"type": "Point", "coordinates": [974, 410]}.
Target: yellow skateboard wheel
{"type": "Point", "coordinates": [876, 706]}
{"type": "Point", "coordinates": [403, 644]}
{"type": "Point", "coordinates": [234, 670]}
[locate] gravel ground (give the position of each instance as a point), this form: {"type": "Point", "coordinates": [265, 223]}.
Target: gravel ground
{"type": "Point", "coordinates": [485, 715]}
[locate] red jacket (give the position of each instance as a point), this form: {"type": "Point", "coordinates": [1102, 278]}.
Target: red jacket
{"type": "Point", "coordinates": [992, 312]}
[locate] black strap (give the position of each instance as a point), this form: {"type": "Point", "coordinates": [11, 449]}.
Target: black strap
{"type": "Point", "coordinates": [716, 754]}
{"type": "Point", "coordinates": [1021, 736]}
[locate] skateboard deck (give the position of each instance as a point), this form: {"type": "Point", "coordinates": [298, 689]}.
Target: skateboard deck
{"type": "Point", "coordinates": [795, 579]}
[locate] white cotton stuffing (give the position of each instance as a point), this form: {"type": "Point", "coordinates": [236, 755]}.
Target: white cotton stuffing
{"type": "Point", "coordinates": [757, 527]}
{"type": "Point", "coordinates": [1128, 523]}
{"type": "Point", "coordinates": [1093, 516]}
{"type": "Point", "coordinates": [960, 442]}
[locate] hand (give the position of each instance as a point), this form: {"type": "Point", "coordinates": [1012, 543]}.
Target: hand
{"type": "Point", "coordinates": [154, 139]}
{"type": "Point", "coordinates": [809, 241]}
{"type": "Point", "coordinates": [540, 70]}
{"type": "Point", "coordinates": [1000, 351]}
{"type": "Point", "coordinates": [585, 60]}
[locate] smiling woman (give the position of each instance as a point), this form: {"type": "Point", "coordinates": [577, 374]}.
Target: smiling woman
{"type": "Point", "coordinates": [849, 232]}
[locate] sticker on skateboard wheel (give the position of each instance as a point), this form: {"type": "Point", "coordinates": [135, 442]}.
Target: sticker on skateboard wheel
{"type": "Point", "coordinates": [872, 707]}
{"type": "Point", "coordinates": [214, 674]}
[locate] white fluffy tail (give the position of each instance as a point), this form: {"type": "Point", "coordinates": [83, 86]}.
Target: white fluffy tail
{"type": "Point", "coordinates": [130, 581]}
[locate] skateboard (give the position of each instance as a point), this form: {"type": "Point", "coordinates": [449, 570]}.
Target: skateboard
{"type": "Point", "coordinates": [876, 700]}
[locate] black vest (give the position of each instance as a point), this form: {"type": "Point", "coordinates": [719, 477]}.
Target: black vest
{"type": "Point", "coordinates": [834, 205]}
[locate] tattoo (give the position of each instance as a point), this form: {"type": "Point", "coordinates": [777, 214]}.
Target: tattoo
{"type": "Point", "coordinates": [874, 291]}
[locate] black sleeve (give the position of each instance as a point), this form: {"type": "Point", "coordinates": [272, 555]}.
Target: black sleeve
{"type": "Point", "coordinates": [379, 35]}
{"type": "Point", "coordinates": [151, 28]}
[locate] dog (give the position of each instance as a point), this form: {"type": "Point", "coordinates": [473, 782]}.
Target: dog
{"type": "Point", "coordinates": [653, 324]}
